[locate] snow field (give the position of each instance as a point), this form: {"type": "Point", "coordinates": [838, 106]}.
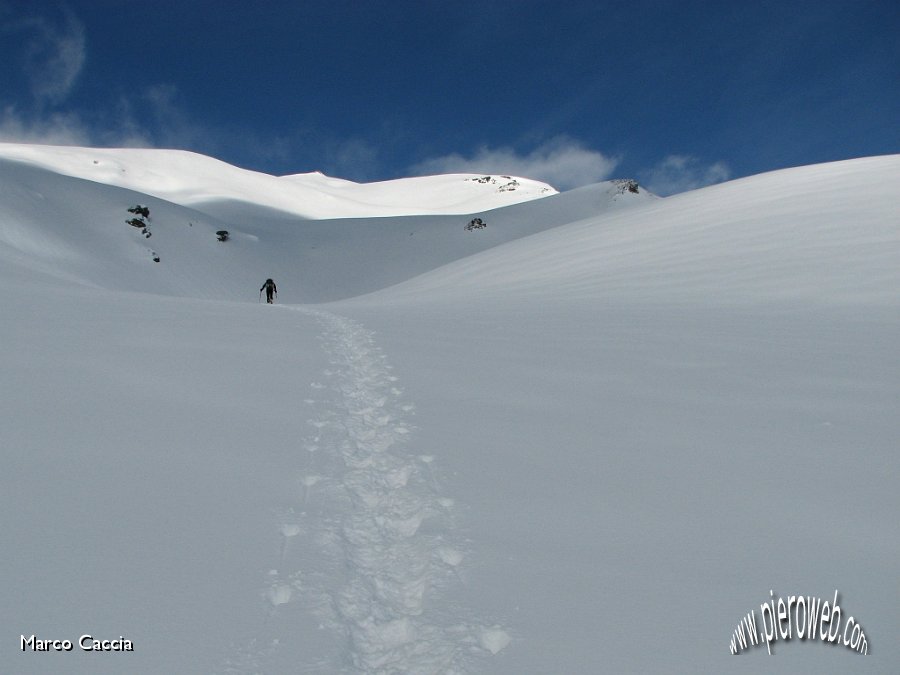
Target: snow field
{"type": "Point", "coordinates": [378, 569]}
{"type": "Point", "coordinates": [612, 438]}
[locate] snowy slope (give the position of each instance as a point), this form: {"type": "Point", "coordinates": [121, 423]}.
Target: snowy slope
{"type": "Point", "coordinates": [825, 233]}
{"type": "Point", "coordinates": [195, 180]}
{"type": "Point", "coordinates": [76, 229]}
{"type": "Point", "coordinates": [589, 438]}
{"type": "Point", "coordinates": [686, 405]}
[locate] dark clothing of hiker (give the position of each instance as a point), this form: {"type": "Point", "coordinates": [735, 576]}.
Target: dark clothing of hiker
{"type": "Point", "coordinates": [271, 290]}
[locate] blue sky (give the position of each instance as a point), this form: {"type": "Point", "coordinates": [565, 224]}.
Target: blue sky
{"type": "Point", "coordinates": [677, 94]}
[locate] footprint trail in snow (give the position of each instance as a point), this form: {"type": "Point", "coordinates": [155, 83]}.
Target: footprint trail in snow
{"type": "Point", "coordinates": [369, 549]}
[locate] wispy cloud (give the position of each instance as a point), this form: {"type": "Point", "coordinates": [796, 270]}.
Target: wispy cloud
{"type": "Point", "coordinates": [51, 129]}
{"type": "Point", "coordinates": [149, 118]}
{"type": "Point", "coordinates": [47, 54]}
{"type": "Point", "coordinates": [158, 105]}
{"type": "Point", "coordinates": [354, 159]}
{"type": "Point", "coordinates": [563, 162]}
{"type": "Point", "coordinates": [53, 53]}
{"type": "Point", "coordinates": [50, 52]}
{"type": "Point", "coordinates": [680, 173]}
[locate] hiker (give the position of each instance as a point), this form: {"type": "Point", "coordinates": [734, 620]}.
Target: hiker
{"type": "Point", "coordinates": [271, 290]}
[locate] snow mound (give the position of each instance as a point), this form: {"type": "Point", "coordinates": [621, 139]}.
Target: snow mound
{"type": "Point", "coordinates": [494, 639]}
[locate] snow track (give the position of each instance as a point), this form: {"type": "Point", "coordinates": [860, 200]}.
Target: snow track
{"type": "Point", "coordinates": [370, 549]}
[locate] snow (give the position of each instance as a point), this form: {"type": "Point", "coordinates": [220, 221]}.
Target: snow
{"type": "Point", "coordinates": [823, 233]}
{"type": "Point", "coordinates": [75, 230]}
{"type": "Point", "coordinates": [194, 180]}
{"type": "Point", "coordinates": [590, 437]}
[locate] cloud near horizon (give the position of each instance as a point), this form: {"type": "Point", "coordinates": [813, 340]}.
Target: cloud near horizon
{"type": "Point", "coordinates": [680, 173]}
{"type": "Point", "coordinates": [151, 119]}
{"type": "Point", "coordinates": [562, 162]}
{"type": "Point", "coordinates": [52, 129]}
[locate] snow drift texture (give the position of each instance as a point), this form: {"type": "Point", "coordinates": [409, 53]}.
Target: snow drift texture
{"type": "Point", "coordinates": [588, 437]}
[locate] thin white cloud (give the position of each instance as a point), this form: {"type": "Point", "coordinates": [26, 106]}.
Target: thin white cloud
{"type": "Point", "coordinates": [680, 173]}
{"type": "Point", "coordinates": [157, 108]}
{"type": "Point", "coordinates": [354, 159]}
{"type": "Point", "coordinates": [52, 129]}
{"type": "Point", "coordinates": [563, 162]}
{"type": "Point", "coordinates": [53, 54]}
{"type": "Point", "coordinates": [71, 128]}
{"type": "Point", "coordinates": [150, 118]}
{"type": "Point", "coordinates": [147, 118]}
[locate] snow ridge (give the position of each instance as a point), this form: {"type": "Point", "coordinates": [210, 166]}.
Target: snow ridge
{"type": "Point", "coordinates": [197, 181]}
{"type": "Point", "coordinates": [371, 524]}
